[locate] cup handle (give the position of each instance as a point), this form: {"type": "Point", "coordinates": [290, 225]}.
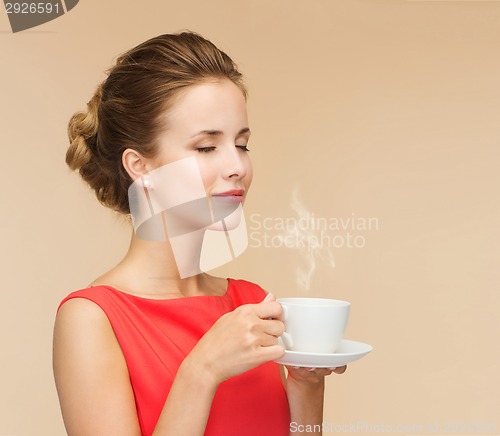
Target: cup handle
{"type": "Point", "coordinates": [285, 312]}
{"type": "Point", "coordinates": [285, 340]}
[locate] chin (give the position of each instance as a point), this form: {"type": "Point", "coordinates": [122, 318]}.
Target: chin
{"type": "Point", "coordinates": [228, 221]}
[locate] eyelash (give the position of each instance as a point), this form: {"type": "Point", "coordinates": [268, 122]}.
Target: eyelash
{"type": "Point", "coordinates": [209, 149]}
{"type": "Point", "coordinates": [205, 149]}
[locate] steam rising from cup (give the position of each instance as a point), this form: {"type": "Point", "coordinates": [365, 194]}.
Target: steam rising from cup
{"type": "Point", "coordinates": [307, 237]}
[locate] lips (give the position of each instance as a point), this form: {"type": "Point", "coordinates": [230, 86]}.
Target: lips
{"type": "Point", "coordinates": [235, 195]}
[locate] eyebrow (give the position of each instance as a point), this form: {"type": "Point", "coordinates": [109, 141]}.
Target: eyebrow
{"type": "Point", "coordinates": [219, 132]}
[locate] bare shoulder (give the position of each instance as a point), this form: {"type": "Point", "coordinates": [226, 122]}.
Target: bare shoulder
{"type": "Point", "coordinates": [76, 310]}
{"type": "Point", "coordinates": [81, 324]}
{"type": "Point", "coordinates": [91, 373]}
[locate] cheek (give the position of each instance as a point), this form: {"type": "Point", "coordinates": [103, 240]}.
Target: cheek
{"type": "Point", "coordinates": [249, 174]}
{"type": "Point", "coordinates": [208, 174]}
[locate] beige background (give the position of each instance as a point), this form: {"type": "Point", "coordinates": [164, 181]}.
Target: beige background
{"type": "Point", "coordinates": [384, 109]}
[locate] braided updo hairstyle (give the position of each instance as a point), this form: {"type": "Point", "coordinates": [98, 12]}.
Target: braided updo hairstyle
{"type": "Point", "coordinates": [128, 108]}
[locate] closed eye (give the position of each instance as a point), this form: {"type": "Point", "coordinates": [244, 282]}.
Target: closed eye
{"type": "Point", "coordinates": [243, 147]}
{"type": "Point", "coordinates": [205, 149]}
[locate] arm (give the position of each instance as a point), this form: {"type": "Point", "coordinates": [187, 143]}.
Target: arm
{"type": "Point", "coordinates": [191, 387]}
{"type": "Point", "coordinates": [91, 374]}
{"type": "Point", "coordinates": [238, 341]}
{"type": "Point", "coordinates": [93, 383]}
{"type": "Point", "coordinates": [305, 389]}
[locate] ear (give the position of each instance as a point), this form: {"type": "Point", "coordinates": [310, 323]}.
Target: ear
{"type": "Point", "coordinates": [134, 163]}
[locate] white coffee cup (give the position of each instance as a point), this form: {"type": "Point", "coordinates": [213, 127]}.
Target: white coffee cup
{"type": "Point", "coordinates": [313, 325]}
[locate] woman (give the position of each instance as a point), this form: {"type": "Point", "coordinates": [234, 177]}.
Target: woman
{"type": "Point", "coordinates": [155, 346]}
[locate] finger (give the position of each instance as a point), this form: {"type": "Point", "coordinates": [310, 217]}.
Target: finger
{"type": "Point", "coordinates": [273, 327]}
{"type": "Point", "coordinates": [295, 368]}
{"type": "Point", "coordinates": [268, 340]}
{"type": "Point", "coordinates": [269, 309]}
{"type": "Point", "coordinates": [323, 372]}
{"type": "Point", "coordinates": [269, 297]}
{"type": "Point", "coordinates": [308, 371]}
{"type": "Point", "coordinates": [271, 352]}
{"type": "Point", "coordinates": [340, 369]}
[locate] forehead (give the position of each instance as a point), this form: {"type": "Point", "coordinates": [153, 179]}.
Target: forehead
{"type": "Point", "coordinates": [214, 105]}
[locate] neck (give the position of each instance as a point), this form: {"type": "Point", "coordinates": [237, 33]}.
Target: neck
{"type": "Point", "coordinates": [164, 267]}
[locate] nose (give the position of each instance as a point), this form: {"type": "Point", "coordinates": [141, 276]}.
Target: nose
{"type": "Point", "coordinates": [235, 163]}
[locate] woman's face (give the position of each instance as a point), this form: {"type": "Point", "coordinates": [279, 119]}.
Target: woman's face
{"type": "Point", "coordinates": [208, 121]}
{"type": "Point", "coordinates": [202, 155]}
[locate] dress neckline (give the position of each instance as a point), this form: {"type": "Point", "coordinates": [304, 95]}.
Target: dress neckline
{"type": "Point", "coordinates": [127, 294]}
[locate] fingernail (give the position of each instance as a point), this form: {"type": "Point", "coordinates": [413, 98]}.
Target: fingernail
{"type": "Point", "coordinates": [333, 369]}
{"type": "Point", "coordinates": [268, 297]}
{"type": "Point", "coordinates": [311, 369]}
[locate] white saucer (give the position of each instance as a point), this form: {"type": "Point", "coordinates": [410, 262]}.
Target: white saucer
{"type": "Point", "coordinates": [348, 351]}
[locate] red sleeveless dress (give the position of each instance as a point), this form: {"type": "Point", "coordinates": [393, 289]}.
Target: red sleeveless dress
{"type": "Point", "coordinates": [156, 336]}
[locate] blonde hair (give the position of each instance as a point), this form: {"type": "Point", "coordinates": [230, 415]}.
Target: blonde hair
{"type": "Point", "coordinates": [127, 108]}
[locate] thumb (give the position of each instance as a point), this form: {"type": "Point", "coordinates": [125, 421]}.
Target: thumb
{"type": "Point", "coordinates": [269, 297]}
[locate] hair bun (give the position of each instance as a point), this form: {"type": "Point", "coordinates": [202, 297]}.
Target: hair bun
{"type": "Point", "coordinates": [82, 131]}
